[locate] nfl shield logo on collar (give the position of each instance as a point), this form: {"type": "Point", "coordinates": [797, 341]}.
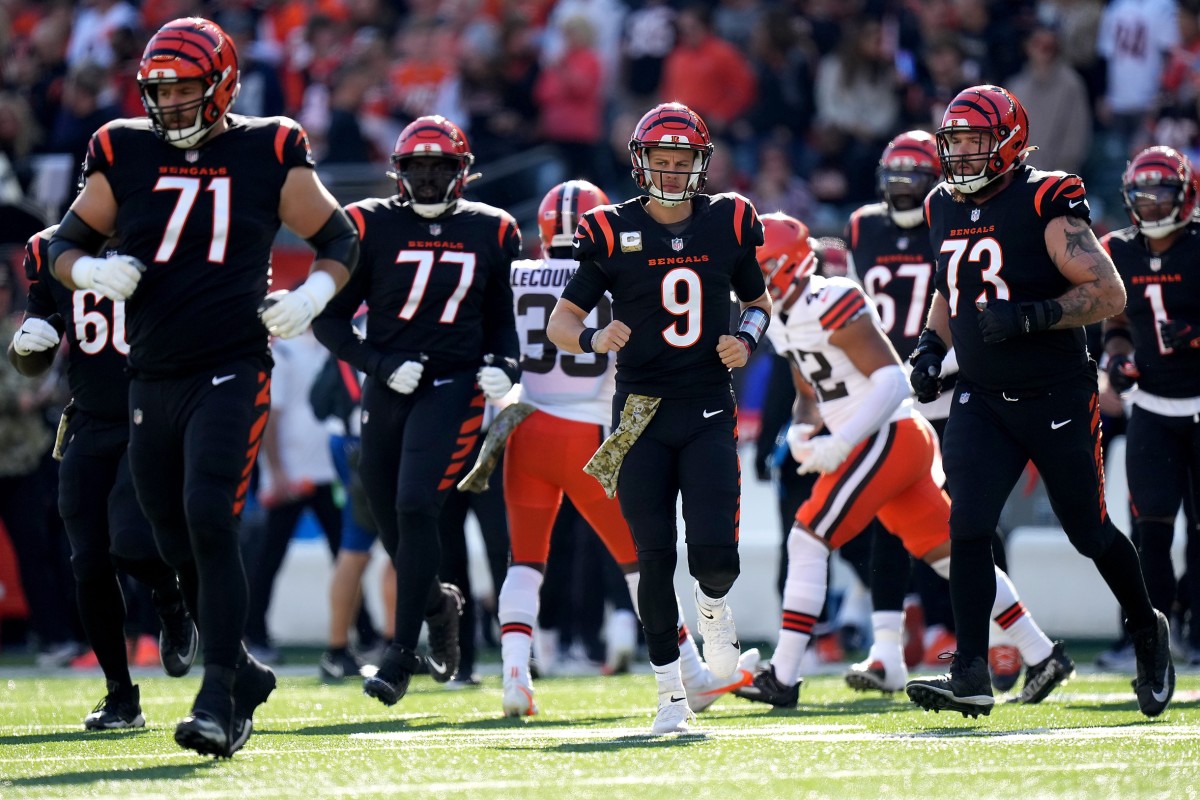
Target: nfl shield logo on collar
{"type": "Point", "coordinates": [191, 156]}
{"type": "Point", "coordinates": [1155, 264]}
{"type": "Point", "coordinates": [974, 215]}
{"type": "Point", "coordinates": [435, 229]}
{"type": "Point", "coordinates": [677, 244]}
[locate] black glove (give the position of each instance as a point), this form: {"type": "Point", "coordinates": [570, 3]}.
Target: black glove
{"type": "Point", "coordinates": [1179, 335]}
{"type": "Point", "coordinates": [926, 360]}
{"type": "Point", "coordinates": [1004, 319]}
{"type": "Point", "coordinates": [1122, 373]}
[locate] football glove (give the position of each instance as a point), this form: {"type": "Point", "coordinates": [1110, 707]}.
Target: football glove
{"type": "Point", "coordinates": [825, 454]}
{"type": "Point", "coordinates": [35, 335]}
{"type": "Point", "coordinates": [406, 377]}
{"type": "Point", "coordinates": [1122, 373]}
{"type": "Point", "coordinates": [494, 382]}
{"type": "Point", "coordinates": [287, 314]}
{"type": "Point", "coordinates": [926, 360]}
{"type": "Point", "coordinates": [1004, 319]}
{"type": "Point", "coordinates": [797, 437]}
{"type": "Point", "coordinates": [1179, 335]}
{"type": "Point", "coordinates": [115, 277]}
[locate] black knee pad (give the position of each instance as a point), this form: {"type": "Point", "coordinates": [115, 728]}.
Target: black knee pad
{"type": "Point", "coordinates": [1095, 542]}
{"type": "Point", "coordinates": [715, 567]}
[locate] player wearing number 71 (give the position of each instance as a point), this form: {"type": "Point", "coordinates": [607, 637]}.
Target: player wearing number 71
{"type": "Point", "coordinates": [1019, 273]}
{"type": "Point", "coordinates": [669, 261]}
{"type": "Point", "coordinates": [440, 328]}
{"type": "Point", "coordinates": [197, 194]}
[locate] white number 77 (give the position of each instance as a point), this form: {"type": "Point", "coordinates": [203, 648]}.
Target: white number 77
{"type": "Point", "coordinates": [424, 261]}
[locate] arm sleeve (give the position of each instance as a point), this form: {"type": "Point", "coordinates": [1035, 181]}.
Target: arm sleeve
{"type": "Point", "coordinates": [889, 387]}
{"type": "Point", "coordinates": [40, 301]}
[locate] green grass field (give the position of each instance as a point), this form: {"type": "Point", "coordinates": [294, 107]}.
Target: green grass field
{"type": "Point", "coordinates": [591, 741]}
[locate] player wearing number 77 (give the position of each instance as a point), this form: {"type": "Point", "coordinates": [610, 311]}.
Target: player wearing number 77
{"type": "Point", "coordinates": [1019, 274]}
{"type": "Point", "coordinates": [669, 261]}
{"type": "Point", "coordinates": [440, 328]}
{"type": "Point", "coordinates": [198, 194]}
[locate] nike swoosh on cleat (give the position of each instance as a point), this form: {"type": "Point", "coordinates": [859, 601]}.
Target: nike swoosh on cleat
{"type": "Point", "coordinates": [675, 699]}
{"type": "Point", "coordinates": [440, 669]}
{"type": "Point", "coordinates": [1161, 697]}
{"type": "Point", "coordinates": [706, 616]}
{"type": "Point", "coordinates": [218, 381]}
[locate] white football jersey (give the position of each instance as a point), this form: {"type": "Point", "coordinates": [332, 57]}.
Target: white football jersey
{"type": "Point", "coordinates": [802, 335]}
{"type": "Point", "coordinates": [575, 387]}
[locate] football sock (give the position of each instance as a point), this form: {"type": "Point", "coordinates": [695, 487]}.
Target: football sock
{"type": "Point", "coordinates": [1154, 550]}
{"type": "Point", "coordinates": [102, 613]}
{"type": "Point", "coordinates": [518, 610]}
{"type": "Point", "coordinates": [803, 597]}
{"type": "Point", "coordinates": [668, 678]}
{"type": "Point", "coordinates": [1014, 620]}
{"type": "Point", "coordinates": [1118, 566]}
{"type": "Point", "coordinates": [887, 627]}
{"type": "Point", "coordinates": [890, 569]}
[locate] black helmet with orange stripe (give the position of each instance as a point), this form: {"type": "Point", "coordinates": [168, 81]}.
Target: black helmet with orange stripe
{"type": "Point", "coordinates": [189, 49]}
{"type": "Point", "coordinates": [1159, 190]}
{"type": "Point", "coordinates": [560, 210]}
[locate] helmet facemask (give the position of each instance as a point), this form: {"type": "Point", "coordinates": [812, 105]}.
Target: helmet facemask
{"type": "Point", "coordinates": [432, 183]}
{"type": "Point", "coordinates": [1156, 207]}
{"type": "Point", "coordinates": [650, 178]}
{"type": "Point", "coordinates": [198, 117]}
{"type": "Point", "coordinates": [981, 162]}
{"type": "Point", "coordinates": [904, 191]}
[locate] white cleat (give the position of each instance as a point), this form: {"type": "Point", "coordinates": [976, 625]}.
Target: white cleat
{"type": "Point", "coordinates": [674, 715]}
{"type": "Point", "coordinates": [721, 646]}
{"type": "Point", "coordinates": [875, 675]}
{"type": "Point", "coordinates": [621, 634]}
{"type": "Point", "coordinates": [709, 688]}
{"type": "Point", "coordinates": [518, 694]}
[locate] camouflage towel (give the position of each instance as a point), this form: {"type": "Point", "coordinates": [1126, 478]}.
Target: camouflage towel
{"type": "Point", "coordinates": [60, 436]}
{"type": "Point", "coordinates": [493, 445]}
{"type": "Point", "coordinates": [605, 464]}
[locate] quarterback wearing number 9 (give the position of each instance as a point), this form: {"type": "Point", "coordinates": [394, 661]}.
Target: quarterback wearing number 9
{"type": "Point", "coordinates": [441, 337]}
{"type": "Point", "coordinates": [670, 259]}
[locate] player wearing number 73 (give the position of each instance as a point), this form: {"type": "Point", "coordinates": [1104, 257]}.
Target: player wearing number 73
{"type": "Point", "coordinates": [669, 262]}
{"type": "Point", "coordinates": [197, 194]}
{"type": "Point", "coordinates": [440, 337]}
{"type": "Point", "coordinates": [1019, 273]}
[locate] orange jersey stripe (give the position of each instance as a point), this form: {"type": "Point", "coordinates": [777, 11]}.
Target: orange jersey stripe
{"type": "Point", "coordinates": [842, 312]}
{"type": "Point", "coordinates": [280, 139]}
{"type": "Point", "coordinates": [606, 229]}
{"type": "Point", "coordinates": [739, 213]}
{"type": "Point", "coordinates": [505, 224]}
{"type": "Point", "coordinates": [105, 144]}
{"type": "Point", "coordinates": [359, 222]}
{"type": "Point", "coordinates": [1071, 187]}
{"type": "Point", "coordinates": [1041, 192]}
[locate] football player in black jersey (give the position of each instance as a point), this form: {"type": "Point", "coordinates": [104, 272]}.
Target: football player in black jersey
{"type": "Point", "coordinates": [1019, 274]}
{"type": "Point", "coordinates": [104, 524]}
{"type": "Point", "coordinates": [1155, 344]}
{"type": "Point", "coordinates": [440, 328]}
{"type": "Point", "coordinates": [669, 261]}
{"type": "Point", "coordinates": [197, 195]}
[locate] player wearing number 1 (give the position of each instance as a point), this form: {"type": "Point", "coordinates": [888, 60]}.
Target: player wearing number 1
{"type": "Point", "coordinates": [1019, 274]}
{"type": "Point", "coordinates": [440, 328]}
{"type": "Point", "coordinates": [197, 194]}
{"type": "Point", "coordinates": [669, 261]}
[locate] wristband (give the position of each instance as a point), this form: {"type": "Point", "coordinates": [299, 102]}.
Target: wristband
{"type": "Point", "coordinates": [585, 339]}
{"type": "Point", "coordinates": [752, 325]}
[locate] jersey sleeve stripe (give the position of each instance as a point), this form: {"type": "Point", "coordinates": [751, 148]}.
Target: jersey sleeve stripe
{"type": "Point", "coordinates": [280, 140]}
{"type": "Point", "coordinates": [585, 227]}
{"type": "Point", "coordinates": [842, 313]}
{"type": "Point", "coordinates": [854, 229]}
{"type": "Point", "coordinates": [1041, 193]}
{"type": "Point", "coordinates": [739, 214]}
{"type": "Point", "coordinates": [505, 224]}
{"type": "Point", "coordinates": [605, 229]}
{"type": "Point", "coordinates": [1071, 187]}
{"type": "Point", "coordinates": [360, 223]}
{"type": "Point", "coordinates": [105, 140]}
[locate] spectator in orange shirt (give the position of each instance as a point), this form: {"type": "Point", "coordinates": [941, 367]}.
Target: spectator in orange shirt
{"type": "Point", "coordinates": [571, 102]}
{"type": "Point", "coordinates": [706, 73]}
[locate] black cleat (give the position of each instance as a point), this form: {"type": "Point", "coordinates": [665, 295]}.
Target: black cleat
{"type": "Point", "coordinates": [204, 733]}
{"type": "Point", "coordinates": [965, 688]}
{"type": "Point", "coordinates": [444, 653]}
{"type": "Point", "coordinates": [1041, 679]}
{"type": "Point", "coordinates": [252, 686]}
{"type": "Point", "coordinates": [120, 708]}
{"type": "Point", "coordinates": [390, 683]}
{"type": "Point", "coordinates": [1155, 681]}
{"type": "Point", "coordinates": [337, 665]}
{"type": "Point", "coordinates": [177, 640]}
{"type": "Point", "coordinates": [766, 688]}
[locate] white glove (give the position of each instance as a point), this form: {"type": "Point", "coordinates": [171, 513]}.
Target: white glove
{"type": "Point", "coordinates": [797, 437]}
{"type": "Point", "coordinates": [286, 314]}
{"type": "Point", "coordinates": [35, 336]}
{"type": "Point", "coordinates": [494, 382]}
{"type": "Point", "coordinates": [114, 277]}
{"type": "Point", "coordinates": [825, 454]}
{"type": "Point", "coordinates": [406, 377]}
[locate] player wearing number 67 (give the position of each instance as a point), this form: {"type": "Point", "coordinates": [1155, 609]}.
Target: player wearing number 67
{"type": "Point", "coordinates": [197, 194]}
{"type": "Point", "coordinates": [440, 337]}
{"type": "Point", "coordinates": [1019, 273]}
{"type": "Point", "coordinates": [669, 260]}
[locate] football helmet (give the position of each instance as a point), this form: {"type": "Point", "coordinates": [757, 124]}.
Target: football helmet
{"type": "Point", "coordinates": [561, 209]}
{"type": "Point", "coordinates": [787, 254]}
{"type": "Point", "coordinates": [670, 125]}
{"type": "Point", "coordinates": [432, 164]}
{"type": "Point", "coordinates": [1001, 119]}
{"type": "Point", "coordinates": [908, 169]}
{"type": "Point", "coordinates": [189, 49]}
{"type": "Point", "coordinates": [1157, 178]}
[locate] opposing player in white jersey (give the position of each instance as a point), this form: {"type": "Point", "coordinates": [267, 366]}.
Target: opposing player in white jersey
{"type": "Point", "coordinates": [879, 458]}
{"type": "Point", "coordinates": [572, 398]}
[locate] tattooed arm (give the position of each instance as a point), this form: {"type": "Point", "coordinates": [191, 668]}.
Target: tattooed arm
{"type": "Point", "coordinates": [1098, 292]}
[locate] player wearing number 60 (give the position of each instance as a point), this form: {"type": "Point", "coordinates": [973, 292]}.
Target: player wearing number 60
{"type": "Point", "coordinates": [1019, 273]}
{"type": "Point", "coordinates": [198, 194]}
{"type": "Point", "coordinates": [669, 261]}
{"type": "Point", "coordinates": [440, 337]}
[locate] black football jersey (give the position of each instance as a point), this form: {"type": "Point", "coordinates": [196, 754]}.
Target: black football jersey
{"type": "Point", "coordinates": [895, 267]}
{"type": "Point", "coordinates": [1166, 286]}
{"type": "Point", "coordinates": [96, 344]}
{"type": "Point", "coordinates": [435, 289]}
{"type": "Point", "coordinates": [672, 290]}
{"type": "Point", "coordinates": [998, 251]}
{"type": "Point", "coordinates": [203, 222]}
